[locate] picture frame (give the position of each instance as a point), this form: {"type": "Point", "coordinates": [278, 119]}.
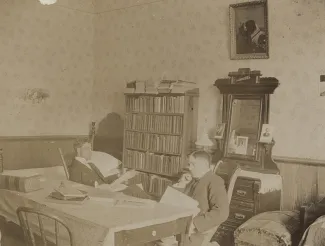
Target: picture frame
{"type": "Point", "coordinates": [266, 133]}
{"type": "Point", "coordinates": [249, 34]}
{"type": "Point", "coordinates": [220, 131]}
{"type": "Point", "coordinates": [241, 145]}
{"type": "Point", "coordinates": [322, 86]}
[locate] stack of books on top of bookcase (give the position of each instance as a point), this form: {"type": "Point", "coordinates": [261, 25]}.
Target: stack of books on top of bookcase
{"type": "Point", "coordinates": [165, 86]}
{"type": "Point", "coordinates": [159, 131]}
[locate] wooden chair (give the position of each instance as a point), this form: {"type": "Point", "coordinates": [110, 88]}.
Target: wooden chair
{"type": "Point", "coordinates": [29, 234]}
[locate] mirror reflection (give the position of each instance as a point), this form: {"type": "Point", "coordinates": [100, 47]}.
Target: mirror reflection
{"type": "Point", "coordinates": [244, 127]}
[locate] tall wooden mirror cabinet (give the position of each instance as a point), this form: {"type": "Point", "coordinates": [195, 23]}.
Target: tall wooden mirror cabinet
{"type": "Point", "coordinates": [257, 187]}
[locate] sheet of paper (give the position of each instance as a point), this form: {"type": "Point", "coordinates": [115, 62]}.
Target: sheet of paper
{"type": "Point", "coordinates": [176, 198]}
{"type": "Point", "coordinates": [124, 177]}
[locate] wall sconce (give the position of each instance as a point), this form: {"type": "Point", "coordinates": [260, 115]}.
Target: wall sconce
{"type": "Point", "coordinates": [36, 95]}
{"type": "Point", "coordinates": [48, 2]}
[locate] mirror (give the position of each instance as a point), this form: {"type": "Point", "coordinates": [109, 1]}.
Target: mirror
{"type": "Point", "coordinates": [244, 127]}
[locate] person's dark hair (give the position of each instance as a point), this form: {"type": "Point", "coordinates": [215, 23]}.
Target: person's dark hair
{"type": "Point", "coordinates": [202, 154]}
{"type": "Point", "coordinates": [250, 26]}
{"type": "Point", "coordinates": [79, 142]}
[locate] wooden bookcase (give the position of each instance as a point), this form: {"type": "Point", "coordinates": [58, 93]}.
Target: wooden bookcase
{"type": "Point", "coordinates": [159, 131]}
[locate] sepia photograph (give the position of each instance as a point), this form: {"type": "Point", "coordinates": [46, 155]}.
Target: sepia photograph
{"type": "Point", "coordinates": [249, 37]}
{"type": "Point", "coordinates": [128, 123]}
{"type": "Point", "coordinates": [220, 129]}
{"type": "Point", "coordinates": [242, 145]}
{"type": "Point", "coordinates": [266, 134]}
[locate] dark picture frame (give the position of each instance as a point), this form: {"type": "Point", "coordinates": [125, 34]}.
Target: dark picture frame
{"type": "Point", "coordinates": [249, 33]}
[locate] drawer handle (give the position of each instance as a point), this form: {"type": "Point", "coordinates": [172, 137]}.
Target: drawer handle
{"type": "Point", "coordinates": [239, 216]}
{"type": "Point", "coordinates": [241, 192]}
{"type": "Point", "coordinates": [154, 233]}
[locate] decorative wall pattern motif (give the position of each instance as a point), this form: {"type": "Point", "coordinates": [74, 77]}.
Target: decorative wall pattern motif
{"type": "Point", "coordinates": [190, 40]}
{"type": "Point", "coordinates": [48, 47]}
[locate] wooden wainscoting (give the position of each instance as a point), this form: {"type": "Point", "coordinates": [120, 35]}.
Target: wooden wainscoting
{"type": "Point", "coordinates": [303, 181]}
{"type": "Point", "coordinates": [36, 151]}
{"type": "Point", "coordinates": [42, 151]}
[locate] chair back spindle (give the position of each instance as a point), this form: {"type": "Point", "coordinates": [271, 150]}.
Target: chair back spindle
{"type": "Point", "coordinates": [25, 219]}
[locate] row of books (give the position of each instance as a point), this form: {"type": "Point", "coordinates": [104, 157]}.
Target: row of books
{"type": "Point", "coordinates": [153, 142]}
{"type": "Point", "coordinates": [141, 178]}
{"type": "Point", "coordinates": [152, 183]}
{"type": "Point", "coordinates": [155, 104]}
{"type": "Point", "coordinates": [158, 185]}
{"type": "Point", "coordinates": [155, 123]}
{"type": "Point", "coordinates": [167, 165]}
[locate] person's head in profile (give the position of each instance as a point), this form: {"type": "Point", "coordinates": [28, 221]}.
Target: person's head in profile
{"type": "Point", "coordinates": [199, 163]}
{"type": "Point", "coordinates": [83, 149]}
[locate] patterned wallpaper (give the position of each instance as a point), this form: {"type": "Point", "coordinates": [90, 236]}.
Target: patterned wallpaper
{"type": "Point", "coordinates": [83, 52]}
{"type": "Point", "coordinates": [48, 48]}
{"type": "Point", "coordinates": [190, 40]}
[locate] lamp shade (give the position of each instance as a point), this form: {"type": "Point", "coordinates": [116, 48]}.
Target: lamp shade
{"type": "Point", "coordinates": [204, 140]}
{"type": "Point", "coordinates": [48, 2]}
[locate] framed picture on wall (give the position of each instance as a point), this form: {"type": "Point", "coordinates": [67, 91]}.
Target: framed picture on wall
{"type": "Point", "coordinates": [249, 35]}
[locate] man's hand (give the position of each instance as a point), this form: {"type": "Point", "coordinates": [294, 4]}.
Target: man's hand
{"type": "Point", "coordinates": [192, 229]}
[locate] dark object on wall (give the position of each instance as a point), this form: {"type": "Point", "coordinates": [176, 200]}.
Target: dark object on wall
{"type": "Point", "coordinates": [109, 135]}
{"type": "Point", "coordinates": [322, 78]}
{"type": "Point", "coordinates": [249, 35]}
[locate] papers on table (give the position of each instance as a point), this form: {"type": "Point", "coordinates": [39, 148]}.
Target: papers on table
{"type": "Point", "coordinates": [176, 198]}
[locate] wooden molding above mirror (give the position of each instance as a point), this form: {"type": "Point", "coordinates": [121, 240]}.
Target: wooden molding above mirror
{"type": "Point", "coordinates": [245, 110]}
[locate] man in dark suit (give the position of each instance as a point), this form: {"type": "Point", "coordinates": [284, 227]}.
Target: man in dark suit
{"type": "Point", "coordinates": [210, 192]}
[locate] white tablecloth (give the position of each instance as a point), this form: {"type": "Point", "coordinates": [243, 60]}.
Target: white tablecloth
{"type": "Point", "coordinates": [96, 220]}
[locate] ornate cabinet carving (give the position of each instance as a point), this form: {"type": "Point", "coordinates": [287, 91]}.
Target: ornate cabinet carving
{"type": "Point", "coordinates": [257, 187]}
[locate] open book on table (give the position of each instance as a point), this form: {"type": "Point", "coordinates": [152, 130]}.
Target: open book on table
{"type": "Point", "coordinates": [102, 164]}
{"type": "Point", "coordinates": [66, 192]}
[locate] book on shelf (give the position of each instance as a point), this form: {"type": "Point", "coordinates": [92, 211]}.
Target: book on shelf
{"type": "Point", "coordinates": [156, 104]}
{"type": "Point", "coordinates": [152, 142]}
{"type": "Point", "coordinates": [163, 124]}
{"type": "Point", "coordinates": [156, 136]}
{"type": "Point", "coordinates": [154, 163]}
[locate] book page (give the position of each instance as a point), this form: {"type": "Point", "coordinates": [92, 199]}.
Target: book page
{"type": "Point", "coordinates": [106, 164]}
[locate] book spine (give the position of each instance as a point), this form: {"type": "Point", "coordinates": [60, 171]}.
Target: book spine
{"type": "Point", "coordinates": [21, 184]}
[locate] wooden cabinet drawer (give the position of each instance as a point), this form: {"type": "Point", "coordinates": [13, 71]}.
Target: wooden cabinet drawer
{"type": "Point", "coordinates": [248, 205]}
{"type": "Point", "coordinates": [151, 233]}
{"type": "Point", "coordinates": [240, 215]}
{"type": "Point", "coordinates": [243, 192]}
